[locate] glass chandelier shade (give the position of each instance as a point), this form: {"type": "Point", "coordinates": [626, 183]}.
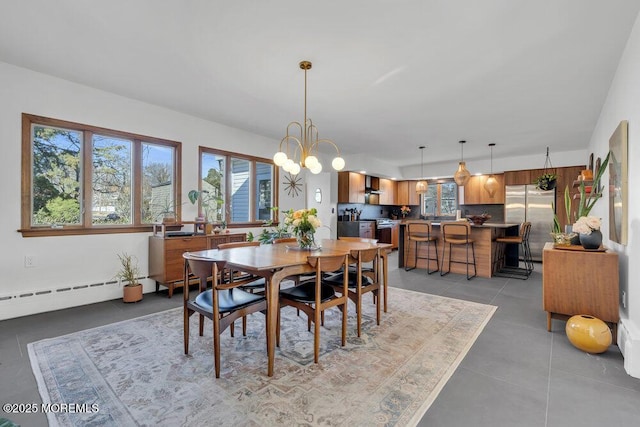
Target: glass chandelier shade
{"type": "Point", "coordinates": [462, 175]}
{"type": "Point", "coordinates": [491, 184]}
{"type": "Point", "coordinates": [299, 147]}
{"type": "Point", "coordinates": [422, 186]}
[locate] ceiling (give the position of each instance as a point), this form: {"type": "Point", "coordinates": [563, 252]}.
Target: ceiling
{"type": "Point", "coordinates": [387, 77]}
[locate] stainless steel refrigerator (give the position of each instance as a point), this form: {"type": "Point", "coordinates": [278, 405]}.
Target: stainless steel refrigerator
{"type": "Point", "coordinates": [527, 203]}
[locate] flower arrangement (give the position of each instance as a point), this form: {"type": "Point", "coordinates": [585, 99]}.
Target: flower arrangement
{"type": "Point", "coordinates": [404, 210]}
{"type": "Point", "coordinates": [303, 223]}
{"type": "Point", "coordinates": [587, 224]}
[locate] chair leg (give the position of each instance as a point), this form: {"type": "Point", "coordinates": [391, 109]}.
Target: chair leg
{"type": "Point", "coordinates": [201, 324]}
{"type": "Point", "coordinates": [316, 334]}
{"type": "Point", "coordinates": [344, 321]}
{"type": "Point", "coordinates": [216, 345]}
{"type": "Point", "coordinates": [186, 331]}
{"type": "Point", "coordinates": [358, 311]}
{"type": "Point", "coordinates": [244, 326]}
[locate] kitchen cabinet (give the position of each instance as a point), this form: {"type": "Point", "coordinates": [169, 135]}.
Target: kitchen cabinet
{"type": "Point", "coordinates": [475, 194]}
{"type": "Point", "coordinates": [388, 190]}
{"type": "Point", "coordinates": [522, 177]}
{"type": "Point", "coordinates": [580, 282]}
{"type": "Point", "coordinates": [406, 193]}
{"type": "Point", "coordinates": [395, 234]}
{"type": "Point", "coordinates": [350, 187]}
{"type": "Point", "coordinates": [367, 229]}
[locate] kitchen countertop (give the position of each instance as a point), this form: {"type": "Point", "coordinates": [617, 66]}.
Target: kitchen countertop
{"type": "Point", "coordinates": [485, 225]}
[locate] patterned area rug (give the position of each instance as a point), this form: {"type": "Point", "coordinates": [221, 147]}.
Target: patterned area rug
{"type": "Point", "coordinates": [135, 372]}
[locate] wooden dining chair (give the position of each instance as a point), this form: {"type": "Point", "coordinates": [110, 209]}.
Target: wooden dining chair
{"type": "Point", "coordinates": [285, 240]}
{"type": "Point", "coordinates": [315, 297]}
{"type": "Point", "coordinates": [364, 280]}
{"type": "Point", "coordinates": [253, 284]}
{"type": "Point", "coordinates": [224, 303]}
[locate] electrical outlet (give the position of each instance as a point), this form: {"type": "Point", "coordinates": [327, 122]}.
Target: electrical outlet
{"type": "Point", "coordinates": [29, 261]}
{"type": "Point", "coordinates": [624, 299]}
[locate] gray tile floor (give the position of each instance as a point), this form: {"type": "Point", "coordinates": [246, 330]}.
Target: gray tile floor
{"type": "Point", "coordinates": [516, 374]}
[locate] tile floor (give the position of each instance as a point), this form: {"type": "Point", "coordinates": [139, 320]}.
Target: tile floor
{"type": "Point", "coordinates": [516, 374]}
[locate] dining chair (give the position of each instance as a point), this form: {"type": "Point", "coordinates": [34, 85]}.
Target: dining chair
{"type": "Point", "coordinates": [457, 233]}
{"type": "Point", "coordinates": [224, 303]}
{"type": "Point", "coordinates": [364, 280]}
{"type": "Point", "coordinates": [256, 285]}
{"type": "Point", "coordinates": [315, 297]}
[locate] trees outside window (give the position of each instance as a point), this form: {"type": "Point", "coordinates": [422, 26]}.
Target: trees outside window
{"type": "Point", "coordinates": [440, 199]}
{"type": "Point", "coordinates": [237, 190]}
{"type": "Point", "coordinates": [81, 179]}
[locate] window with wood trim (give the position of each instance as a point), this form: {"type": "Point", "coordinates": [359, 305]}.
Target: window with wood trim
{"type": "Point", "coordinates": [441, 199]}
{"type": "Point", "coordinates": [236, 189]}
{"type": "Point", "coordinates": [82, 179]}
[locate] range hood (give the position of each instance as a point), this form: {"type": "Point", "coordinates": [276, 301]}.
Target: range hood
{"type": "Point", "coordinates": [372, 185]}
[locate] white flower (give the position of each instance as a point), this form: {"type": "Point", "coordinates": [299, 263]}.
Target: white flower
{"type": "Point", "coordinates": [586, 224]}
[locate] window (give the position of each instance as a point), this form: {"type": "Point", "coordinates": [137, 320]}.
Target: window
{"type": "Point", "coordinates": [440, 199]}
{"type": "Point", "coordinates": [237, 189]}
{"type": "Point", "coordinates": [80, 179]}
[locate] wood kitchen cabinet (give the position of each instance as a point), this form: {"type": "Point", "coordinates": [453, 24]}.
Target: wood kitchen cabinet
{"type": "Point", "coordinates": [388, 190]}
{"type": "Point", "coordinates": [522, 177]}
{"type": "Point", "coordinates": [406, 193]}
{"type": "Point", "coordinates": [475, 194]}
{"type": "Point", "coordinates": [580, 282]}
{"type": "Point", "coordinates": [350, 187]}
{"type": "Point", "coordinates": [166, 265]}
{"type": "Point", "coordinates": [368, 229]}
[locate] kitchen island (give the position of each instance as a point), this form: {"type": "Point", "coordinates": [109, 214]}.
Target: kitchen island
{"type": "Point", "coordinates": [484, 245]}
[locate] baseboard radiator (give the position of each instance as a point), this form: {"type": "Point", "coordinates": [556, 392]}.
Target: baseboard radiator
{"type": "Point", "coordinates": [26, 302]}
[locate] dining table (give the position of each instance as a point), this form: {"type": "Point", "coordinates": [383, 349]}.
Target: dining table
{"type": "Point", "coordinates": [279, 261]}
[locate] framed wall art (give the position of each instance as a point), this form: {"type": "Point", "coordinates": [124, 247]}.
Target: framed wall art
{"type": "Point", "coordinates": [618, 184]}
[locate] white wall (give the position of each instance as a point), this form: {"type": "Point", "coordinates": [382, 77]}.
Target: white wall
{"type": "Point", "coordinates": [326, 208]}
{"type": "Point", "coordinates": [623, 104]}
{"type": "Point", "coordinates": [77, 261]}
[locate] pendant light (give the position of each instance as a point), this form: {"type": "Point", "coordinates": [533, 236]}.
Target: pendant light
{"type": "Point", "coordinates": [491, 185]}
{"type": "Point", "coordinates": [462, 175]}
{"type": "Point", "coordinates": [422, 185]}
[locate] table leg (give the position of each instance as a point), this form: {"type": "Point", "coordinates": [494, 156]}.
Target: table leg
{"type": "Point", "coordinates": [549, 321]}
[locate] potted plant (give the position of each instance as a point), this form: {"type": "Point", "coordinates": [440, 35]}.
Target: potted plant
{"type": "Point", "coordinates": [128, 275]}
{"type": "Point", "coordinates": [546, 181]}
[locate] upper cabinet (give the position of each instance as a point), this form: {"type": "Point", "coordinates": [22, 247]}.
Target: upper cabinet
{"type": "Point", "coordinates": [406, 194]}
{"type": "Point", "coordinates": [475, 194]}
{"type": "Point", "coordinates": [350, 187]}
{"type": "Point", "coordinates": [388, 190]}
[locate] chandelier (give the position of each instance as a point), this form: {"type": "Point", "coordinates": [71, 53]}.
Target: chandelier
{"type": "Point", "coordinates": [301, 149]}
{"type": "Point", "coordinates": [422, 185]}
{"type": "Point", "coordinates": [491, 184]}
{"type": "Point", "coordinates": [462, 175]}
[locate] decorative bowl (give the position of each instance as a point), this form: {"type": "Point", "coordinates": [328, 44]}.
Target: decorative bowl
{"type": "Point", "coordinates": [563, 239]}
{"type": "Point", "coordinates": [479, 219]}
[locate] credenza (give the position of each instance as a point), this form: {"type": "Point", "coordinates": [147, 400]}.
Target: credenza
{"type": "Point", "coordinates": [166, 265]}
{"type": "Point", "coordinates": [576, 281]}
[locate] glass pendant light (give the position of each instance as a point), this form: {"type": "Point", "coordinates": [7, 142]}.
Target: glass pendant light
{"type": "Point", "coordinates": [491, 185]}
{"type": "Point", "coordinates": [422, 185]}
{"type": "Point", "coordinates": [462, 175]}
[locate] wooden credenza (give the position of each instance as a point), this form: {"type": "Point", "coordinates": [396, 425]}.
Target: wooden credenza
{"type": "Point", "coordinates": [166, 265]}
{"type": "Point", "coordinates": [580, 282]}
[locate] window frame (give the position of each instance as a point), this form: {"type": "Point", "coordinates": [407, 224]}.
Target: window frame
{"type": "Point", "coordinates": [438, 183]}
{"type": "Point", "coordinates": [86, 168]}
{"type": "Point", "coordinates": [253, 190]}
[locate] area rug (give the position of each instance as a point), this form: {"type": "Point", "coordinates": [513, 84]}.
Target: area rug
{"type": "Point", "coordinates": [135, 372]}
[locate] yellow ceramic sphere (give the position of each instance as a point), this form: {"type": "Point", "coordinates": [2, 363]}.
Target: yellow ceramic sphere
{"type": "Point", "coordinates": [588, 333]}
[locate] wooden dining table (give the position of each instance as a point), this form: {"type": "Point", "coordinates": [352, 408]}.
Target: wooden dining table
{"type": "Point", "coordinates": [281, 260]}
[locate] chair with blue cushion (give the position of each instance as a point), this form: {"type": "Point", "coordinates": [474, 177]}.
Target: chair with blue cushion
{"type": "Point", "coordinates": [224, 303]}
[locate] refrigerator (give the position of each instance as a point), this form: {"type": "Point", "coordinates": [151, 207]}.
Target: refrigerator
{"type": "Point", "coordinates": [527, 203]}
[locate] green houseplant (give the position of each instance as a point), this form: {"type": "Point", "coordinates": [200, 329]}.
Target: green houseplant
{"type": "Point", "coordinates": [128, 275]}
{"type": "Point", "coordinates": [546, 181]}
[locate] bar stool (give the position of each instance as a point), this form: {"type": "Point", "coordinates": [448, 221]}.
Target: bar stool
{"type": "Point", "coordinates": [457, 233]}
{"type": "Point", "coordinates": [521, 239]}
{"type": "Point", "coordinates": [420, 232]}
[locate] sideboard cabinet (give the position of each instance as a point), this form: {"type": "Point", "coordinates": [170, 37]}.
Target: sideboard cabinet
{"type": "Point", "coordinates": [580, 282]}
{"type": "Point", "coordinates": [166, 265]}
